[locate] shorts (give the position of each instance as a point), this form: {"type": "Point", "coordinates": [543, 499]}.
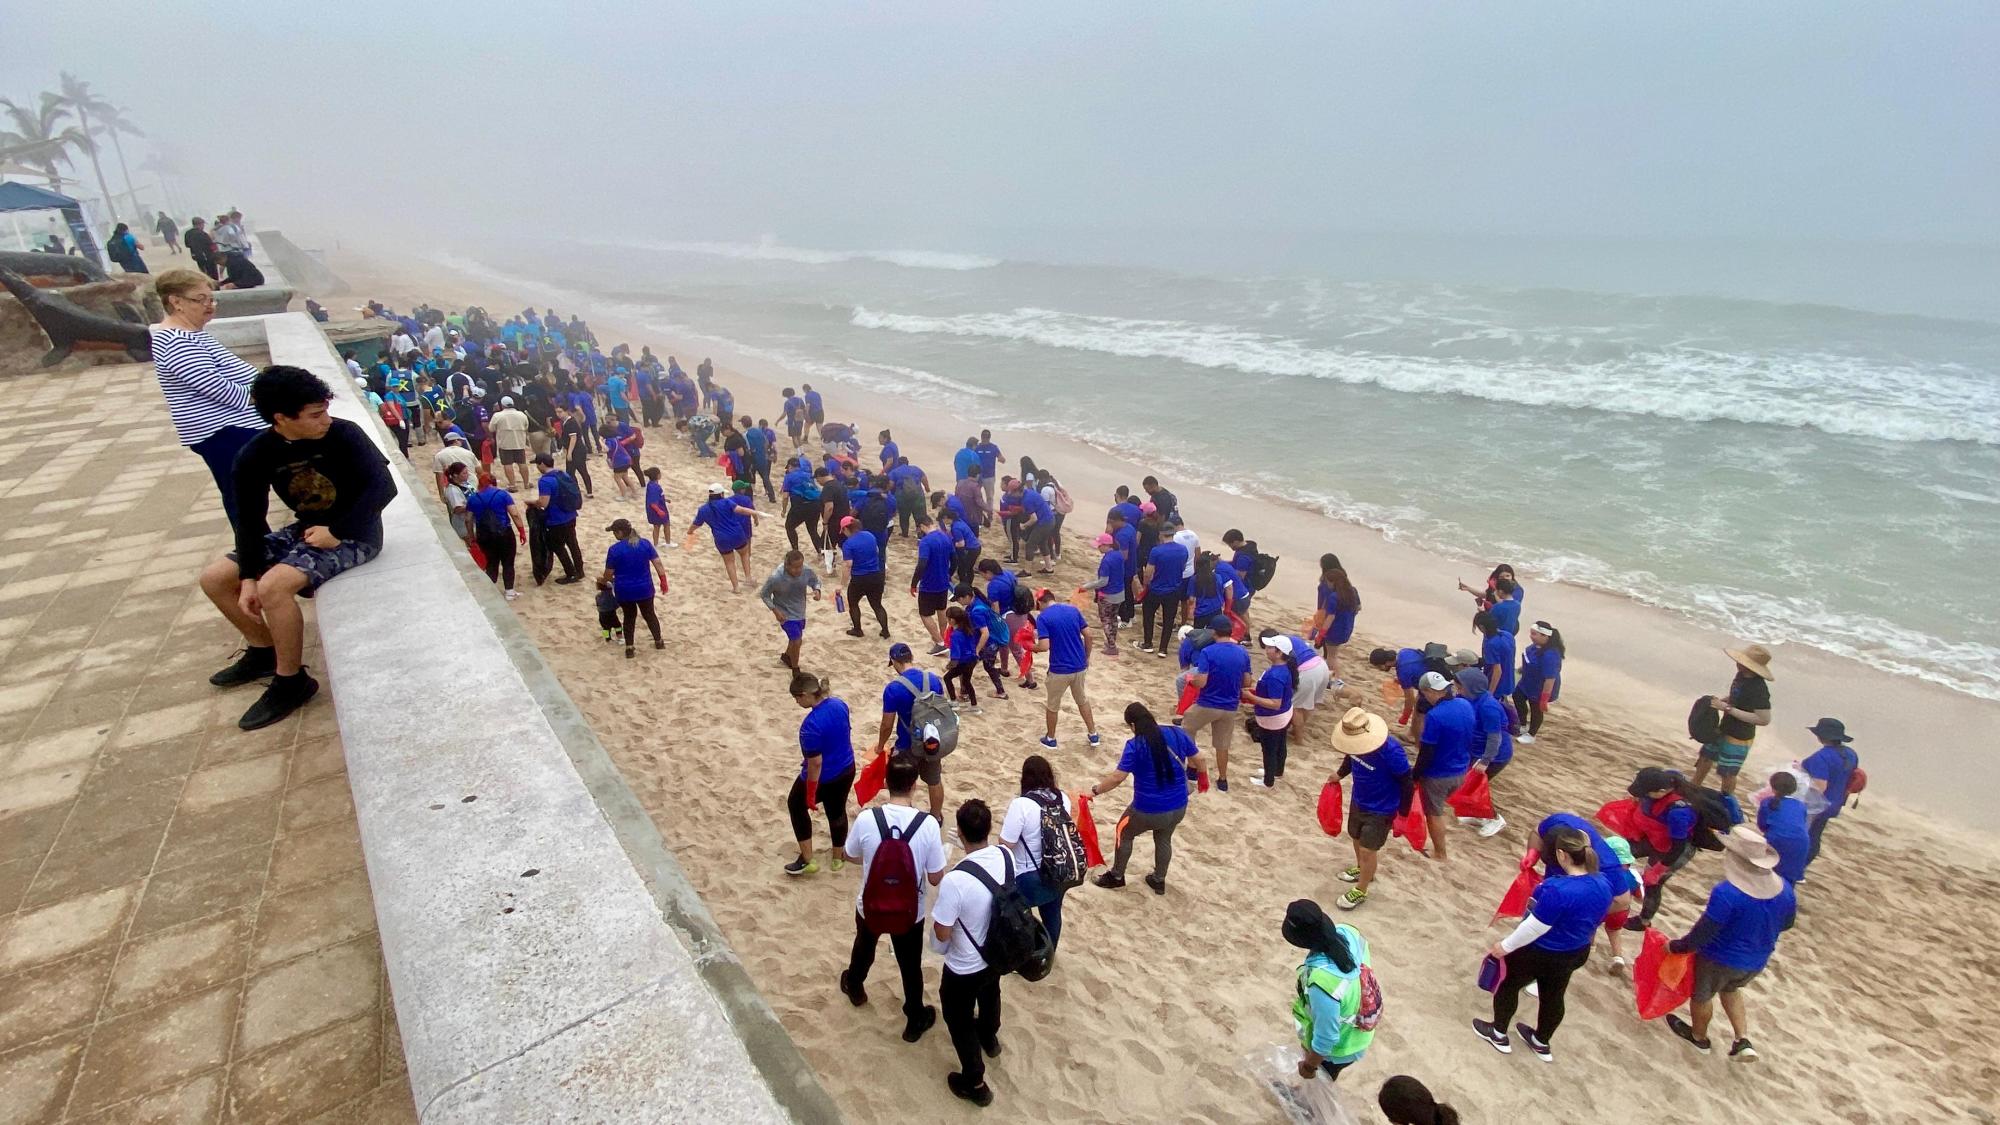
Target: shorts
{"type": "Point", "coordinates": [929, 603]}
{"type": "Point", "coordinates": [1727, 754]}
{"type": "Point", "coordinates": [513, 457]}
{"type": "Point", "coordinates": [795, 427]}
{"type": "Point", "coordinates": [929, 770]}
{"type": "Point", "coordinates": [1370, 830]}
{"type": "Point", "coordinates": [1060, 682]}
{"type": "Point", "coordinates": [794, 629]}
{"type": "Point", "coordinates": [1222, 722]}
{"type": "Point", "coordinates": [1314, 679]}
{"type": "Point", "coordinates": [287, 545]}
{"type": "Point", "coordinates": [1436, 790]}
{"type": "Point", "coordinates": [1713, 977]}
{"type": "Point", "coordinates": [815, 415]}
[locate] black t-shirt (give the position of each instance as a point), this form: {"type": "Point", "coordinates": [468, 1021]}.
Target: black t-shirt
{"type": "Point", "coordinates": [574, 428]}
{"type": "Point", "coordinates": [1750, 692]}
{"type": "Point", "coordinates": [340, 481]}
{"type": "Point", "coordinates": [1165, 503]}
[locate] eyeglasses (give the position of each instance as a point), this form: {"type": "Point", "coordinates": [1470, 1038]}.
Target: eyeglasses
{"type": "Point", "coordinates": [201, 299]}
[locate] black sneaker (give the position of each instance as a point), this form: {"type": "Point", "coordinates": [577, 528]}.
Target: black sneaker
{"type": "Point", "coordinates": [1742, 1051]}
{"type": "Point", "coordinates": [916, 1028]}
{"type": "Point", "coordinates": [1635, 925]}
{"type": "Point", "coordinates": [252, 664]}
{"type": "Point", "coordinates": [1110, 880]}
{"type": "Point", "coordinates": [980, 1095]}
{"type": "Point", "coordinates": [1158, 884]}
{"type": "Point", "coordinates": [285, 695]}
{"type": "Point", "coordinates": [1683, 1029]}
{"type": "Point", "coordinates": [992, 1049]}
{"type": "Point", "coordinates": [1542, 1050]}
{"type": "Point", "coordinates": [854, 632]}
{"type": "Point", "coordinates": [856, 994]}
{"type": "Point", "coordinates": [569, 579]}
{"type": "Point", "coordinates": [1494, 1037]}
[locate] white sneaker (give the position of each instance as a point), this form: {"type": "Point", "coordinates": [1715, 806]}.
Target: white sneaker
{"type": "Point", "coordinates": [1257, 775]}
{"type": "Point", "coordinates": [1534, 989]}
{"type": "Point", "coordinates": [513, 594]}
{"type": "Point", "coordinates": [1492, 827]}
{"type": "Point", "coordinates": [1524, 740]}
{"type": "Point", "coordinates": [1335, 684]}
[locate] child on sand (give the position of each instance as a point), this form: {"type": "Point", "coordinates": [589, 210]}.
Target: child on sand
{"type": "Point", "coordinates": [964, 643]}
{"type": "Point", "coordinates": [657, 516]}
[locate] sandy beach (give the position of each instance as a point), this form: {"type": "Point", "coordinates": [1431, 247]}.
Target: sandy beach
{"type": "Point", "coordinates": [1164, 1008]}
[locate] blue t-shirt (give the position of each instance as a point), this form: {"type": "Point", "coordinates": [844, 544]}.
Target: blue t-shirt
{"type": "Point", "coordinates": [1749, 926]}
{"type": "Point", "coordinates": [1491, 715]}
{"type": "Point", "coordinates": [798, 482]}
{"type": "Point", "coordinates": [549, 485]}
{"type": "Point", "coordinates": [1169, 563]}
{"type": "Point", "coordinates": [1149, 793]}
{"type": "Point", "coordinates": [1126, 538]}
{"type": "Point", "coordinates": [1062, 626]}
{"type": "Point", "coordinates": [759, 444]}
{"type": "Point", "coordinates": [726, 521]}
{"type": "Point", "coordinates": [1000, 590]}
{"type": "Point", "coordinates": [1609, 866]}
{"type": "Point", "coordinates": [1539, 669]}
{"type": "Point", "coordinates": [984, 617]}
{"type": "Point", "coordinates": [630, 562]}
{"type": "Point", "coordinates": [1227, 665]}
{"type": "Point", "coordinates": [614, 391]}
{"type": "Point", "coordinates": [1449, 730]}
{"type": "Point", "coordinates": [1499, 649]}
{"type": "Point", "coordinates": [827, 733]}
{"type": "Point", "coordinates": [656, 503]}
{"type": "Point", "coordinates": [1378, 778]}
{"type": "Point", "coordinates": [934, 562]}
{"type": "Point", "coordinates": [1507, 612]}
{"type": "Point", "coordinates": [1128, 511]}
{"type": "Point", "coordinates": [989, 458]}
{"type": "Point", "coordinates": [1111, 568]}
{"type": "Point", "coordinates": [814, 402]}
{"type": "Point", "coordinates": [899, 698]}
{"type": "Point", "coordinates": [1032, 504]}
{"type": "Point", "coordinates": [862, 550]}
{"type": "Point", "coordinates": [1573, 906]}
{"type": "Point", "coordinates": [1207, 605]}
{"type": "Point", "coordinates": [488, 509]}
{"type": "Point", "coordinates": [1834, 765]}
{"type": "Point", "coordinates": [963, 537]}
{"type": "Point", "coordinates": [890, 451]}
{"type": "Point", "coordinates": [965, 463]}
{"type": "Point", "coordinates": [905, 477]}
{"type": "Point", "coordinates": [1410, 667]}
{"type": "Point", "coordinates": [964, 645]}
{"type": "Point", "coordinates": [795, 413]}
{"type": "Point", "coordinates": [1783, 822]}
{"type": "Point", "coordinates": [1275, 683]}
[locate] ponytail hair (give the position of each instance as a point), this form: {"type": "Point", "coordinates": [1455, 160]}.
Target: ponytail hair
{"type": "Point", "coordinates": [1568, 842]}
{"type": "Point", "coordinates": [805, 683]}
{"type": "Point", "coordinates": [1147, 728]}
{"type": "Point", "coordinates": [1406, 1101]}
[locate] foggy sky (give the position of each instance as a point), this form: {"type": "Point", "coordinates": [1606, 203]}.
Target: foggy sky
{"type": "Point", "coordinates": [947, 125]}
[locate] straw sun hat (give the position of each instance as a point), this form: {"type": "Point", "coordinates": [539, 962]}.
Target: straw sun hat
{"type": "Point", "coordinates": [1360, 732]}
{"type": "Point", "coordinates": [1756, 658]}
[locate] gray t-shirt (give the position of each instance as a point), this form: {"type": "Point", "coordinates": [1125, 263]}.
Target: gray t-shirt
{"type": "Point", "coordinates": [786, 594]}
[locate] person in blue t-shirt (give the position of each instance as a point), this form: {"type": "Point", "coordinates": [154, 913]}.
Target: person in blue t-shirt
{"type": "Point", "coordinates": [559, 518]}
{"type": "Point", "coordinates": [1271, 706]}
{"type": "Point", "coordinates": [1444, 753]}
{"type": "Point", "coordinates": [1062, 633]}
{"type": "Point", "coordinates": [1783, 820]}
{"type": "Point", "coordinates": [1492, 742]}
{"type": "Point", "coordinates": [861, 575]}
{"type": "Point", "coordinates": [1107, 590]}
{"type": "Point", "coordinates": [758, 441]}
{"type": "Point", "coordinates": [965, 463]}
{"type": "Point", "coordinates": [815, 410]}
{"type": "Point", "coordinates": [826, 742]}
{"type": "Point", "coordinates": [1496, 654]}
{"type": "Point", "coordinates": [629, 568]}
{"type": "Point", "coordinates": [990, 458]}
{"type": "Point", "coordinates": [899, 699]}
{"type": "Point", "coordinates": [930, 580]}
{"type": "Point", "coordinates": [1551, 943]}
{"type": "Point", "coordinates": [969, 644]}
{"type": "Point", "coordinates": [890, 450]}
{"type": "Point", "coordinates": [794, 413]}
{"type": "Point", "coordinates": [1734, 938]}
{"type": "Point", "coordinates": [1541, 671]}
{"type": "Point", "coordinates": [729, 522]}
{"type": "Point", "coordinates": [1210, 594]}
{"type": "Point", "coordinates": [1165, 579]}
{"type": "Point", "coordinates": [1162, 762]}
{"type": "Point", "coordinates": [1832, 769]}
{"type": "Point", "coordinates": [1220, 671]}
{"type": "Point", "coordinates": [965, 543]}
{"type": "Point", "coordinates": [1384, 787]}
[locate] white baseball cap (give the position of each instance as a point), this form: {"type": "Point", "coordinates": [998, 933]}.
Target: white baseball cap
{"type": "Point", "coordinates": [506, 400]}
{"type": "Point", "coordinates": [718, 490]}
{"type": "Point", "coordinates": [1279, 641]}
{"type": "Point", "coordinates": [1434, 681]}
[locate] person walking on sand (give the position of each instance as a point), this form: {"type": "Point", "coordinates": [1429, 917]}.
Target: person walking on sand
{"type": "Point", "coordinates": [1666, 822]}
{"type": "Point", "coordinates": [930, 581]}
{"type": "Point", "coordinates": [497, 524]}
{"type": "Point", "coordinates": [729, 522]}
{"type": "Point", "coordinates": [861, 576]}
{"type": "Point", "coordinates": [1496, 654]}
{"type": "Point", "coordinates": [510, 442]}
{"type": "Point", "coordinates": [964, 643]}
{"type": "Point", "coordinates": [1334, 1005]}
{"type": "Point", "coordinates": [1165, 582]}
{"type": "Point", "coordinates": [1832, 768]}
{"type": "Point", "coordinates": [1023, 832]}
{"type": "Point", "coordinates": [556, 495]}
{"type": "Point", "coordinates": [1551, 943]}
{"type": "Point", "coordinates": [1107, 590]}
{"type": "Point", "coordinates": [1614, 866]}
{"type": "Point", "coordinates": [969, 988]}
{"type": "Point", "coordinates": [1783, 819]}
{"type": "Point", "coordinates": [990, 459]}
{"type": "Point", "coordinates": [784, 594]}
{"type": "Point", "coordinates": [1733, 939]}
{"type": "Point", "coordinates": [1384, 787]}
{"type": "Point", "coordinates": [1219, 671]}
{"type": "Point", "coordinates": [1315, 677]}
{"type": "Point", "coordinates": [1541, 670]}
{"type": "Point", "coordinates": [1444, 754]}
{"type": "Point", "coordinates": [826, 741]}
{"type": "Point", "coordinates": [803, 505]}
{"type": "Point", "coordinates": [1743, 708]}
{"type": "Point", "coordinates": [630, 565]}
{"type": "Point", "coordinates": [659, 518]}
{"type": "Point", "coordinates": [901, 824]}
{"type": "Point", "coordinates": [1271, 708]}
{"type": "Point", "coordinates": [1162, 763]}
{"type": "Point", "coordinates": [1062, 633]}
{"type": "Point", "coordinates": [899, 700]}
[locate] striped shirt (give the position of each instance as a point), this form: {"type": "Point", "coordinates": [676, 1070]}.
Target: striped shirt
{"type": "Point", "coordinates": [207, 387]}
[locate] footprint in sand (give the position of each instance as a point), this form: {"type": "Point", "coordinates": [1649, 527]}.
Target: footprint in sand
{"type": "Point", "coordinates": [1143, 1055]}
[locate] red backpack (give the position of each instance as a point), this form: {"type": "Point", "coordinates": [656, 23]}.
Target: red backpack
{"type": "Point", "coordinates": [890, 897]}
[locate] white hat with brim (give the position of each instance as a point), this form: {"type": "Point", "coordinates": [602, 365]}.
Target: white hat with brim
{"type": "Point", "coordinates": [1360, 732]}
{"type": "Point", "coordinates": [1750, 863]}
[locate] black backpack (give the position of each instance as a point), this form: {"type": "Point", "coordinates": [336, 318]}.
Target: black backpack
{"type": "Point", "coordinates": [1715, 812]}
{"type": "Point", "coordinates": [1704, 721]}
{"type": "Point", "coordinates": [1263, 568]}
{"type": "Point", "coordinates": [1015, 941]}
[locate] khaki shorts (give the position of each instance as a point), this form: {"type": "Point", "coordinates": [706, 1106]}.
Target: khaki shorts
{"type": "Point", "coordinates": [1223, 722]}
{"type": "Point", "coordinates": [1060, 682]}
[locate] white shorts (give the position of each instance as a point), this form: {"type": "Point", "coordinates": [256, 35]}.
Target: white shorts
{"type": "Point", "coordinates": [1313, 681]}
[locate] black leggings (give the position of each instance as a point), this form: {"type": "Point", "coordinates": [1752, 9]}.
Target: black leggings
{"type": "Point", "coordinates": [1273, 744]}
{"type": "Point", "coordinates": [1551, 971]}
{"type": "Point", "coordinates": [961, 670]}
{"type": "Point", "coordinates": [643, 608]}
{"type": "Point", "coordinates": [580, 469]}
{"type": "Point", "coordinates": [498, 547]}
{"type": "Point", "coordinates": [803, 513]}
{"type": "Point", "coordinates": [1529, 707]}
{"type": "Point", "coordinates": [1155, 604]}
{"type": "Point", "coordinates": [964, 561]}
{"type": "Point", "coordinates": [562, 544]}
{"type": "Point", "coordinates": [866, 586]}
{"type": "Point", "coordinates": [832, 798]}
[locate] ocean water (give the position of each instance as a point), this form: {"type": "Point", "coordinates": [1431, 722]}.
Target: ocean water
{"type": "Point", "coordinates": [1787, 472]}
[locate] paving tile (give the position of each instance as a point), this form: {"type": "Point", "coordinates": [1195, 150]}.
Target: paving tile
{"type": "Point", "coordinates": [15, 875]}
{"type": "Point", "coordinates": [220, 784]}
{"type": "Point", "coordinates": [110, 799]}
{"type": "Point", "coordinates": [315, 854]}
{"type": "Point", "coordinates": [170, 963]}
{"type": "Point", "coordinates": [83, 710]}
{"type": "Point", "coordinates": [388, 1104]}
{"type": "Point", "coordinates": [155, 1047]}
{"type": "Point", "coordinates": [41, 666]}
{"type": "Point", "coordinates": [36, 937]}
{"type": "Point", "coordinates": [197, 1101]}
{"type": "Point", "coordinates": [394, 1065]}
{"type": "Point", "coordinates": [309, 1076]}
{"type": "Point", "coordinates": [318, 802]}
{"type": "Point", "coordinates": [107, 677]}
{"type": "Point", "coordinates": [334, 984]}
{"type": "Point", "coordinates": [31, 833]}
{"type": "Point", "coordinates": [141, 727]}
{"type": "Point", "coordinates": [87, 857]}
{"type": "Point", "coordinates": [316, 758]}
{"type": "Point", "coordinates": [154, 761]}
{"type": "Point", "coordinates": [197, 890]}
{"type": "Point", "coordinates": [41, 789]}
{"type": "Point", "coordinates": [52, 998]}
{"type": "Point", "coordinates": [319, 915]}
{"type": "Point", "coordinates": [36, 1080]}
{"type": "Point", "coordinates": [194, 837]}
{"type": "Point", "coordinates": [27, 696]}
{"type": "Point", "coordinates": [78, 744]}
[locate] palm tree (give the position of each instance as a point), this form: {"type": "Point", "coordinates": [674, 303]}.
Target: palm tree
{"type": "Point", "coordinates": [40, 137]}
{"type": "Point", "coordinates": [113, 121]}
{"type": "Point", "coordinates": [78, 98]}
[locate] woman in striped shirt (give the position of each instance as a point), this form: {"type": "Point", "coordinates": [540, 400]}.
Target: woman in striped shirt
{"type": "Point", "coordinates": [207, 387]}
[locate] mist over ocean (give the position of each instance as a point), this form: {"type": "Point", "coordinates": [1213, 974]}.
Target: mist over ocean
{"type": "Point", "coordinates": [1790, 472]}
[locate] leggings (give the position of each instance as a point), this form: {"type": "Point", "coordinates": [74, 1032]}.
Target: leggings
{"type": "Point", "coordinates": [962, 671]}
{"type": "Point", "coordinates": [562, 544]}
{"type": "Point", "coordinates": [1169, 607]}
{"type": "Point", "coordinates": [1530, 708]}
{"type": "Point", "coordinates": [963, 562]}
{"type": "Point", "coordinates": [499, 551]}
{"type": "Point", "coordinates": [1650, 904]}
{"type": "Point", "coordinates": [1107, 616]}
{"type": "Point", "coordinates": [1161, 825]}
{"type": "Point", "coordinates": [643, 608]}
{"type": "Point", "coordinates": [832, 798]}
{"type": "Point", "coordinates": [580, 469]}
{"type": "Point", "coordinates": [1551, 971]}
{"type": "Point", "coordinates": [1273, 744]}
{"type": "Point", "coordinates": [866, 586]}
{"type": "Point", "coordinates": [802, 513]}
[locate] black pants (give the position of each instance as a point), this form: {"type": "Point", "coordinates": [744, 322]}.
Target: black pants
{"type": "Point", "coordinates": [762, 470]}
{"type": "Point", "coordinates": [402, 440]}
{"type": "Point", "coordinates": [1550, 971]}
{"type": "Point", "coordinates": [1529, 707]}
{"type": "Point", "coordinates": [961, 671]}
{"type": "Point", "coordinates": [579, 468]}
{"type": "Point", "coordinates": [562, 544]}
{"type": "Point", "coordinates": [651, 409]}
{"type": "Point", "coordinates": [540, 560]}
{"type": "Point", "coordinates": [971, 1004]}
{"type": "Point", "coordinates": [866, 586]}
{"type": "Point", "coordinates": [643, 608]}
{"type": "Point", "coordinates": [1814, 832]}
{"type": "Point", "coordinates": [1168, 607]}
{"type": "Point", "coordinates": [1272, 742]}
{"type": "Point", "coordinates": [909, 949]}
{"type": "Point", "coordinates": [1650, 903]}
{"type": "Point", "coordinates": [964, 560]}
{"type": "Point", "coordinates": [803, 513]}
{"type": "Point", "coordinates": [1015, 536]}
{"type": "Point", "coordinates": [218, 451]}
{"type": "Point", "coordinates": [832, 797]}
{"type": "Point", "coordinates": [498, 547]}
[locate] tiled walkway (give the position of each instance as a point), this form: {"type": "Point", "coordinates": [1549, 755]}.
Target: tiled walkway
{"type": "Point", "coordinates": [186, 932]}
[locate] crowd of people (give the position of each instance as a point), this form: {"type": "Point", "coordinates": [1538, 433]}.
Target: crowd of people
{"type": "Point", "coordinates": [223, 255]}
{"type": "Point", "coordinates": [979, 544]}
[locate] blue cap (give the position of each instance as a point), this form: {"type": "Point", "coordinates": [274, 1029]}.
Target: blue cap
{"type": "Point", "coordinates": [900, 651]}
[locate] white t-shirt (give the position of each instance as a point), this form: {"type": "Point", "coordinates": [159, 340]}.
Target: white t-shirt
{"type": "Point", "coordinates": [1023, 825]}
{"type": "Point", "coordinates": [454, 454]}
{"type": "Point", "coordinates": [434, 339]}
{"type": "Point", "coordinates": [926, 847]}
{"type": "Point", "coordinates": [1192, 542]}
{"type": "Point", "coordinates": [401, 343]}
{"type": "Point", "coordinates": [964, 904]}
{"type": "Point", "coordinates": [510, 429]}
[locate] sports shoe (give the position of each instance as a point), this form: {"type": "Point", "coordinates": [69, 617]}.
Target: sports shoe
{"type": "Point", "coordinates": [1158, 884]}
{"type": "Point", "coordinates": [513, 595]}
{"type": "Point", "coordinates": [857, 995]}
{"type": "Point", "coordinates": [1542, 1050]}
{"type": "Point", "coordinates": [1222, 783]}
{"type": "Point", "coordinates": [1524, 740]}
{"type": "Point", "coordinates": [1048, 743]}
{"type": "Point", "coordinates": [991, 1048]}
{"type": "Point", "coordinates": [838, 864]}
{"type": "Point", "coordinates": [1635, 925]}
{"type": "Point", "coordinates": [854, 632]}
{"type": "Point", "coordinates": [1495, 1038]}
{"type": "Point", "coordinates": [1110, 880]}
{"type": "Point", "coordinates": [1354, 897]}
{"type": "Point", "coordinates": [1617, 967]}
{"type": "Point", "coordinates": [1683, 1029]}
{"type": "Point", "coordinates": [569, 580]}
{"type": "Point", "coordinates": [801, 867]}
{"type": "Point", "coordinates": [1145, 648]}
{"type": "Point", "coordinates": [251, 664]}
{"type": "Point", "coordinates": [1095, 738]}
{"type": "Point", "coordinates": [630, 653]}
{"type": "Point", "coordinates": [939, 650]}
{"type": "Point", "coordinates": [1162, 654]}
{"type": "Point", "coordinates": [607, 634]}
{"type": "Point", "coordinates": [914, 1030]}
{"type": "Point", "coordinates": [980, 1095]}
{"type": "Point", "coordinates": [1351, 875]}
{"type": "Point", "coordinates": [285, 695]}
{"type": "Point", "coordinates": [1257, 775]}
{"type": "Point", "coordinates": [970, 709]}
{"type": "Point", "coordinates": [1492, 827]}
{"type": "Point", "coordinates": [1742, 1051]}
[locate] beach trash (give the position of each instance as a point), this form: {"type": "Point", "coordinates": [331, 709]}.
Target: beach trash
{"type": "Point", "coordinates": [1330, 808]}
{"type": "Point", "coordinates": [1392, 694]}
{"type": "Point", "coordinates": [1661, 981]}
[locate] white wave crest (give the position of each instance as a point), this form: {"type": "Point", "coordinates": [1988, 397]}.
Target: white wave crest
{"type": "Point", "coordinates": [771, 250]}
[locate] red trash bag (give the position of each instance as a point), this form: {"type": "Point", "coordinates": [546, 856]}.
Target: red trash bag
{"type": "Point", "coordinates": [1661, 981]}
{"type": "Point", "coordinates": [1086, 827]}
{"type": "Point", "coordinates": [1189, 694]}
{"type": "Point", "coordinates": [1621, 817]}
{"type": "Point", "coordinates": [478, 556]}
{"type": "Point", "coordinates": [1474, 798]}
{"type": "Point", "coordinates": [1514, 904]}
{"type": "Point", "coordinates": [872, 776]}
{"type": "Point", "coordinates": [1412, 826]}
{"type": "Point", "coordinates": [1330, 807]}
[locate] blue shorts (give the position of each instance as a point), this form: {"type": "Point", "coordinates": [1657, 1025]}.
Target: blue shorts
{"type": "Point", "coordinates": [287, 546]}
{"type": "Point", "coordinates": [794, 629]}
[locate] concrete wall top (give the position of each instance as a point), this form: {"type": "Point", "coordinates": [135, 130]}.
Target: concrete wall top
{"type": "Point", "coordinates": [548, 959]}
